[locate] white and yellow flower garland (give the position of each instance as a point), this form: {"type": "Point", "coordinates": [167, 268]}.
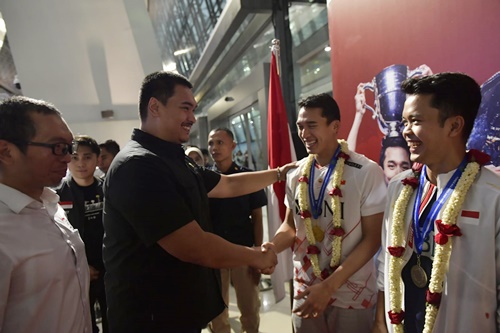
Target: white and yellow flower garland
{"type": "Point", "coordinates": [335, 193]}
{"type": "Point", "coordinates": [447, 227]}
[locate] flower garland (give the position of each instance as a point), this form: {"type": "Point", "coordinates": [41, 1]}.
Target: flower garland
{"type": "Point", "coordinates": [312, 233]}
{"type": "Point", "coordinates": [446, 228]}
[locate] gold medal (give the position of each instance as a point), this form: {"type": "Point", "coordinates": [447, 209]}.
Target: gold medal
{"type": "Point", "coordinates": [319, 234]}
{"type": "Point", "coordinates": [418, 275]}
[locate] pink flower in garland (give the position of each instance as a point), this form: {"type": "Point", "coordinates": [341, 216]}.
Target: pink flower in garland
{"type": "Point", "coordinates": [433, 298]}
{"type": "Point", "coordinates": [445, 231]}
{"type": "Point", "coordinates": [344, 156]}
{"type": "Point", "coordinates": [325, 274]}
{"type": "Point", "coordinates": [412, 181]}
{"type": "Point", "coordinates": [337, 231]}
{"type": "Point", "coordinates": [475, 155]}
{"type": "Point", "coordinates": [305, 214]}
{"type": "Point", "coordinates": [303, 179]}
{"type": "Point", "coordinates": [335, 191]}
{"type": "Point", "coordinates": [312, 249]}
{"type": "Point", "coordinates": [396, 317]}
{"type": "Point", "coordinates": [396, 251]}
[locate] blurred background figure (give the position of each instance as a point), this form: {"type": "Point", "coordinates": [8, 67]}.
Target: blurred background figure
{"type": "Point", "coordinates": [196, 155]}
{"type": "Point", "coordinates": [238, 220]}
{"type": "Point", "coordinates": [206, 157]}
{"type": "Point", "coordinates": [109, 149]}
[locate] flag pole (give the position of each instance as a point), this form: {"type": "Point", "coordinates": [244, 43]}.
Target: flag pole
{"type": "Point", "coordinates": [275, 48]}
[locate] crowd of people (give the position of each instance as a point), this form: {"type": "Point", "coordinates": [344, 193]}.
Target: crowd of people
{"type": "Point", "coordinates": [159, 233]}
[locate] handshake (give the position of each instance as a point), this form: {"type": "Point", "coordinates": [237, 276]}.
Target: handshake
{"type": "Point", "coordinates": [266, 259]}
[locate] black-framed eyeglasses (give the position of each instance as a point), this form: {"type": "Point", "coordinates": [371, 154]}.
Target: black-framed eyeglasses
{"type": "Point", "coordinates": [59, 148]}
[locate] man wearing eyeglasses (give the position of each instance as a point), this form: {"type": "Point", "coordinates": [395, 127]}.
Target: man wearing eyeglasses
{"type": "Point", "coordinates": [44, 276]}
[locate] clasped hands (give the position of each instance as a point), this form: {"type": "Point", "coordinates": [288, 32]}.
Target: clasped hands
{"type": "Point", "coordinates": [268, 260]}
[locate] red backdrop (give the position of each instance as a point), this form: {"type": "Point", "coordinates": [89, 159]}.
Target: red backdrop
{"type": "Point", "coordinates": [369, 35]}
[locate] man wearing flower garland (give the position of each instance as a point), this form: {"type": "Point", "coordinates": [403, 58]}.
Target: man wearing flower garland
{"type": "Point", "coordinates": [159, 252]}
{"type": "Point", "coordinates": [335, 202]}
{"type": "Point", "coordinates": [439, 267]}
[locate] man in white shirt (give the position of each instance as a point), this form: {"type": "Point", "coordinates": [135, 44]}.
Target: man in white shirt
{"type": "Point", "coordinates": [44, 276]}
{"type": "Point", "coordinates": [335, 200]}
{"type": "Point", "coordinates": [439, 266]}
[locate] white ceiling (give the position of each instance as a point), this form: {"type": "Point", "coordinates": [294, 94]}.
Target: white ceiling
{"type": "Point", "coordinates": [84, 56]}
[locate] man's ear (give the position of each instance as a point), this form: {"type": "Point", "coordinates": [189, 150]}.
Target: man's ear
{"type": "Point", "coordinates": [6, 152]}
{"type": "Point", "coordinates": [456, 125]}
{"type": "Point", "coordinates": [153, 106]}
{"type": "Point", "coordinates": [336, 125]}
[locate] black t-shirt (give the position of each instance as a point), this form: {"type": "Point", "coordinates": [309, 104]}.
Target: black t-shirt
{"type": "Point", "coordinates": [231, 216]}
{"type": "Point", "coordinates": [92, 219]}
{"type": "Point", "coordinates": [84, 205]}
{"type": "Point", "coordinates": [151, 190]}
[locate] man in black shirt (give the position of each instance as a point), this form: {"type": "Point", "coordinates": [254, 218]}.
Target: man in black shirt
{"type": "Point", "coordinates": [238, 220]}
{"type": "Point", "coordinates": [159, 251]}
{"type": "Point", "coordinates": [82, 198]}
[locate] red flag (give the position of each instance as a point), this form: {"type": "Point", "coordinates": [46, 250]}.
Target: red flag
{"type": "Point", "coordinates": [280, 146]}
{"type": "Point", "coordinates": [280, 152]}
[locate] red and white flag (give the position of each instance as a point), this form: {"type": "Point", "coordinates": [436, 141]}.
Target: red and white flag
{"type": "Point", "coordinates": [280, 152]}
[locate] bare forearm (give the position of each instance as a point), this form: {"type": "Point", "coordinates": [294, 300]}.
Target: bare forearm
{"type": "Point", "coordinates": [243, 183]}
{"type": "Point", "coordinates": [191, 244]}
{"type": "Point", "coordinates": [248, 182]}
{"type": "Point", "coordinates": [219, 253]}
{"type": "Point", "coordinates": [284, 237]}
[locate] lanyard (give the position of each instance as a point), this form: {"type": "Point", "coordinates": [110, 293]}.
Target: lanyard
{"type": "Point", "coordinates": [316, 203]}
{"type": "Point", "coordinates": [421, 233]}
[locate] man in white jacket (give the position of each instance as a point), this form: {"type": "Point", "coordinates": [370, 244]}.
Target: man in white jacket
{"type": "Point", "coordinates": [439, 267]}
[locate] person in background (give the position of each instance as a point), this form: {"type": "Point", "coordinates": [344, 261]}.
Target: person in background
{"type": "Point", "coordinates": [159, 250]}
{"type": "Point", "coordinates": [335, 201]}
{"type": "Point", "coordinates": [44, 276]}
{"type": "Point", "coordinates": [82, 198]}
{"type": "Point", "coordinates": [239, 221]}
{"type": "Point", "coordinates": [206, 157]}
{"type": "Point", "coordinates": [196, 155]}
{"type": "Point", "coordinates": [109, 149]}
{"type": "Point", "coordinates": [439, 267]}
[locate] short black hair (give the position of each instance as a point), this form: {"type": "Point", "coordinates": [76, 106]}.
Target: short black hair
{"type": "Point", "coordinates": [224, 129]}
{"type": "Point", "coordinates": [86, 141]}
{"type": "Point", "coordinates": [328, 105]}
{"type": "Point", "coordinates": [160, 85]}
{"type": "Point", "coordinates": [16, 123]}
{"type": "Point", "coordinates": [453, 94]}
{"type": "Point", "coordinates": [111, 146]}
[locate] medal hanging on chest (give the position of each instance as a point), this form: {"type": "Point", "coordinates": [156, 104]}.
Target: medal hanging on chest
{"type": "Point", "coordinates": [418, 275]}
{"type": "Point", "coordinates": [422, 225]}
{"type": "Point", "coordinates": [317, 202]}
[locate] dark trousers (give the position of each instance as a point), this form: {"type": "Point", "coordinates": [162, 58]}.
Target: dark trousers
{"type": "Point", "coordinates": [97, 293]}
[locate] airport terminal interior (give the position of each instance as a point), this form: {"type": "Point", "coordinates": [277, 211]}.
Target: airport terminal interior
{"type": "Point", "coordinates": [89, 58]}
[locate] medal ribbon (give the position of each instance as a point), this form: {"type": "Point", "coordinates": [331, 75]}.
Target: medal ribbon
{"type": "Point", "coordinates": [316, 203]}
{"type": "Point", "coordinates": [421, 233]}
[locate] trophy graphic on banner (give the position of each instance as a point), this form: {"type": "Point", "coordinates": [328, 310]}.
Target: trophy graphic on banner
{"type": "Point", "coordinates": [485, 135]}
{"type": "Point", "coordinates": [389, 99]}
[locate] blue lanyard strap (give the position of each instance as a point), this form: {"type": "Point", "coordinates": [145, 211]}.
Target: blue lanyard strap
{"type": "Point", "coordinates": [421, 233]}
{"type": "Point", "coordinates": [316, 203]}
